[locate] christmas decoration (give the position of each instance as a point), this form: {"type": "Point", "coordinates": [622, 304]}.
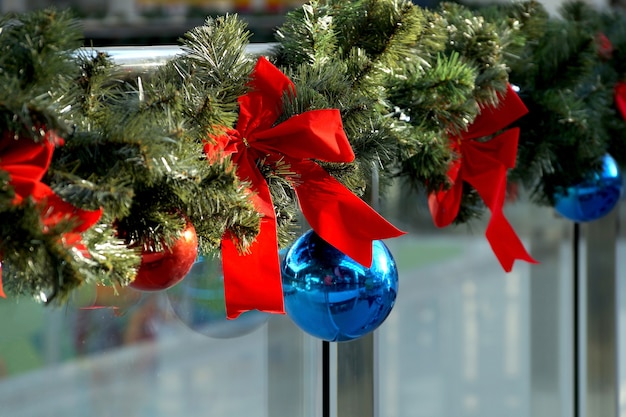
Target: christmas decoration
{"type": "Point", "coordinates": [162, 269]}
{"type": "Point", "coordinates": [483, 165]}
{"type": "Point", "coordinates": [620, 98]}
{"type": "Point", "coordinates": [331, 209]}
{"type": "Point", "coordinates": [411, 75]}
{"type": "Point", "coordinates": [594, 197]}
{"type": "Point", "coordinates": [437, 72]}
{"type": "Point", "coordinates": [51, 238]}
{"type": "Point", "coordinates": [26, 162]}
{"type": "Point", "coordinates": [133, 153]}
{"type": "Point", "coordinates": [236, 145]}
{"type": "Point", "coordinates": [333, 297]}
{"type": "Point", "coordinates": [566, 69]}
{"type": "Point", "coordinates": [199, 303]}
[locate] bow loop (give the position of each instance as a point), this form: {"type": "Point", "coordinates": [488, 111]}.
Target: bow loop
{"type": "Point", "coordinates": [493, 119]}
{"type": "Point", "coordinates": [262, 106]}
{"type": "Point", "coordinates": [316, 134]}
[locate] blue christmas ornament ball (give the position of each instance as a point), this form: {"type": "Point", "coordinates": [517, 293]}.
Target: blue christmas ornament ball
{"type": "Point", "coordinates": [198, 302]}
{"type": "Point", "coordinates": [332, 297]}
{"type": "Point", "coordinates": [594, 197]}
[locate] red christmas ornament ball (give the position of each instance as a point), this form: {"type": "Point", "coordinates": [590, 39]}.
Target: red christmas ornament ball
{"type": "Point", "coordinates": [164, 269]}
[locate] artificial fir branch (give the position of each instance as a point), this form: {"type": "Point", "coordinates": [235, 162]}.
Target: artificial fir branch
{"type": "Point", "coordinates": [56, 271]}
{"type": "Point", "coordinates": [404, 79]}
{"type": "Point", "coordinates": [568, 87]}
{"type": "Point", "coordinates": [413, 78]}
{"type": "Point", "coordinates": [214, 71]}
{"type": "Point", "coordinates": [480, 44]}
{"type": "Point", "coordinates": [36, 69]}
{"type": "Point", "coordinates": [440, 97]}
{"type": "Point", "coordinates": [129, 149]}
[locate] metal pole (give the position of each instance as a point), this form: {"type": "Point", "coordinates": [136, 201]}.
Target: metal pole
{"type": "Point", "coordinates": [601, 318]}
{"type": "Point", "coordinates": [545, 306]}
{"type": "Point", "coordinates": [325, 379]}
{"type": "Point", "coordinates": [575, 320]}
{"type": "Point", "coordinates": [355, 377]}
{"type": "Point", "coordinates": [356, 360]}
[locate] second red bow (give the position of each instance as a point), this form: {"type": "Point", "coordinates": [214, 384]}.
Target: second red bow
{"type": "Point", "coordinates": [484, 166]}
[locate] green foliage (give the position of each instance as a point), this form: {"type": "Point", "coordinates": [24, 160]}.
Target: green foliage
{"type": "Point", "coordinates": [135, 149]}
{"type": "Point", "coordinates": [404, 79]}
{"type": "Point", "coordinates": [36, 69]}
{"type": "Point", "coordinates": [567, 84]}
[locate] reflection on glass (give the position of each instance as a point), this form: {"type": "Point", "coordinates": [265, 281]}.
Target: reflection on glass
{"type": "Point", "coordinates": [198, 301]}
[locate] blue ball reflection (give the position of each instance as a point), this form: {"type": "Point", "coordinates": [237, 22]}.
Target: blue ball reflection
{"type": "Point", "coordinates": [593, 198]}
{"type": "Point", "coordinates": [198, 301]}
{"type": "Point", "coordinates": [332, 297]}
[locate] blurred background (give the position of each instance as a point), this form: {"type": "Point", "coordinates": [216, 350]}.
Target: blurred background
{"type": "Point", "coordinates": [157, 22]}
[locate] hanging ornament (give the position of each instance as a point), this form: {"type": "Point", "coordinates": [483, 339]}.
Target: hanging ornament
{"type": "Point", "coordinates": [594, 197]}
{"type": "Point", "coordinates": [164, 269]}
{"type": "Point", "coordinates": [199, 303]}
{"type": "Point", "coordinates": [332, 297]}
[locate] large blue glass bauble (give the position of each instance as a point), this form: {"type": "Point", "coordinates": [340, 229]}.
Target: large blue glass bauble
{"type": "Point", "coordinates": [198, 301]}
{"type": "Point", "coordinates": [594, 197]}
{"type": "Point", "coordinates": [332, 297]}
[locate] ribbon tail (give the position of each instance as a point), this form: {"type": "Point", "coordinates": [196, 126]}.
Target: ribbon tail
{"type": "Point", "coordinates": [253, 280]}
{"type": "Point", "coordinates": [491, 186]}
{"type": "Point", "coordinates": [337, 215]}
{"type": "Point", "coordinates": [2, 294]}
{"type": "Point", "coordinates": [505, 243]}
{"type": "Point", "coordinates": [620, 98]}
{"type": "Point", "coordinates": [444, 205]}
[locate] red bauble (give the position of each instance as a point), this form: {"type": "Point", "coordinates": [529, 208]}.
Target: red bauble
{"type": "Point", "coordinates": [162, 270]}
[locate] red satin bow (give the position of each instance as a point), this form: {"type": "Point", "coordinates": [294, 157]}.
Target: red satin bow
{"type": "Point", "coordinates": [620, 98]}
{"type": "Point", "coordinates": [27, 161]}
{"type": "Point", "coordinates": [253, 280]}
{"type": "Point", "coordinates": [484, 166]}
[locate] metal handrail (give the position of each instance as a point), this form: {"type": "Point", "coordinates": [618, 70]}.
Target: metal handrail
{"type": "Point", "coordinates": [148, 58]}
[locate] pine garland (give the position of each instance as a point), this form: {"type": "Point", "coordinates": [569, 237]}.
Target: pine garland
{"type": "Point", "coordinates": [567, 84]}
{"type": "Point", "coordinates": [405, 79]}
{"type": "Point", "coordinates": [415, 76]}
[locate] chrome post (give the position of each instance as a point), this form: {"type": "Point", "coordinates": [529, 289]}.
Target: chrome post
{"type": "Point", "coordinates": [355, 377]}
{"type": "Point", "coordinates": [356, 360]}
{"type": "Point", "coordinates": [601, 390]}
